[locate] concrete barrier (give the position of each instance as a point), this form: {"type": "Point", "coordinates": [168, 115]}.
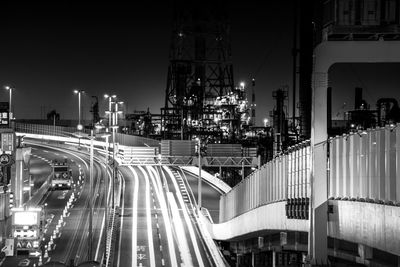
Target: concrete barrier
{"type": "Point", "coordinates": [218, 183]}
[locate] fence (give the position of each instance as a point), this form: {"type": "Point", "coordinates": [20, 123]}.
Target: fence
{"type": "Point", "coordinates": [366, 165]}
{"type": "Point", "coordinates": [363, 166]}
{"type": "Point", "coordinates": [285, 177]}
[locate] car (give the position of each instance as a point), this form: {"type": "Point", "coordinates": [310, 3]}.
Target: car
{"type": "Point", "coordinates": [24, 262]}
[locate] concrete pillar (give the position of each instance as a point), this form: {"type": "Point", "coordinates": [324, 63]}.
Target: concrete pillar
{"type": "Point", "coordinates": [238, 256]}
{"type": "Point", "coordinates": [318, 249]}
{"type": "Point", "coordinates": [22, 157]}
{"type": "Point", "coordinates": [365, 253]}
{"type": "Point", "coordinates": [326, 54]}
{"type": "Point", "coordinates": [253, 259]}
{"type": "Point", "coordinates": [273, 258]}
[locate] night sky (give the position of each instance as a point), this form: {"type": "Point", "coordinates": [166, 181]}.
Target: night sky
{"type": "Point", "coordinates": [48, 50]}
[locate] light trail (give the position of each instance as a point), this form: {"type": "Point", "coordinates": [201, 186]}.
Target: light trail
{"type": "Point", "coordinates": [164, 210]}
{"type": "Point", "coordinates": [122, 221]}
{"type": "Point", "coordinates": [186, 217]}
{"type": "Point", "coordinates": [178, 226]}
{"type": "Point", "coordinates": [134, 216]}
{"type": "Point", "coordinates": [148, 218]}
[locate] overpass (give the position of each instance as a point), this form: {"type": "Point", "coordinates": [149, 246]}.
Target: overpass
{"type": "Point", "coordinates": [332, 198]}
{"type": "Point", "coordinates": [363, 200]}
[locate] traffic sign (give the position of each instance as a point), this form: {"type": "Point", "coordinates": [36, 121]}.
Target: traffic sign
{"type": "Point", "coordinates": [34, 253]}
{"type": "Point", "coordinates": [5, 159]}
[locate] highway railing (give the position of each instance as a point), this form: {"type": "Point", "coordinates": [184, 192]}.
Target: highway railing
{"type": "Point", "coordinates": [122, 139]}
{"type": "Point", "coordinates": [285, 178]}
{"type": "Point", "coordinates": [364, 166]}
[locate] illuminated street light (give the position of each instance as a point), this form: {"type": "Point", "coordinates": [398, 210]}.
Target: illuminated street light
{"type": "Point", "coordinates": [79, 92]}
{"type": "Point", "coordinates": [105, 135]}
{"type": "Point", "coordinates": [113, 124]}
{"type": "Point", "coordinates": [10, 89]}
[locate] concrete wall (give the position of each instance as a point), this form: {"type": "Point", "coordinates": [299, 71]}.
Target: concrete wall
{"type": "Point", "coordinates": [265, 218]}
{"type": "Point", "coordinates": [370, 224]}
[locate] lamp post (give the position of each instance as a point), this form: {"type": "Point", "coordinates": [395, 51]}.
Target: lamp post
{"type": "Point", "coordinates": [79, 92]}
{"type": "Point", "coordinates": [10, 89]}
{"type": "Point", "coordinates": [106, 135]}
{"type": "Point", "coordinates": [109, 97]}
{"type": "Point", "coordinates": [265, 122]}
{"type": "Point", "coordinates": [199, 182]}
{"type": "Point", "coordinates": [115, 129]}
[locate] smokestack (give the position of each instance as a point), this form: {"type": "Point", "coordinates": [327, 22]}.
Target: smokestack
{"type": "Point", "coordinates": [305, 66]}
{"type": "Point", "coordinates": [253, 102]}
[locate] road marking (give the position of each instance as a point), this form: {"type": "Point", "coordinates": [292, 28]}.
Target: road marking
{"type": "Point", "coordinates": [160, 247]}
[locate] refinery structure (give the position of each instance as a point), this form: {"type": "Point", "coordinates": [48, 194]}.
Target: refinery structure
{"type": "Point", "coordinates": [201, 99]}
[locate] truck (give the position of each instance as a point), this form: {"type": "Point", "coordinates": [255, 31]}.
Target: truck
{"type": "Point", "coordinates": [61, 175]}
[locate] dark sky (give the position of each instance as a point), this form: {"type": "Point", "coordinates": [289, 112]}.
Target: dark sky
{"type": "Point", "coordinates": [48, 50]}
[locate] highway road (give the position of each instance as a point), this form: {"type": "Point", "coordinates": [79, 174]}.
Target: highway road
{"type": "Point", "coordinates": [158, 227]}
{"type": "Point", "coordinates": [72, 241]}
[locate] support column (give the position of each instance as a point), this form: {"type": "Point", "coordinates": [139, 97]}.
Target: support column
{"type": "Point", "coordinates": [22, 157]}
{"type": "Point", "coordinates": [365, 253]}
{"type": "Point", "coordinates": [318, 247]}
{"type": "Point", "coordinates": [273, 258]}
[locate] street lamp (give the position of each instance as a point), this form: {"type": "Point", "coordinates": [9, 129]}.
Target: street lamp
{"type": "Point", "coordinates": [79, 92]}
{"type": "Point", "coordinates": [265, 122]}
{"type": "Point", "coordinates": [109, 97]}
{"type": "Point", "coordinates": [10, 89]}
{"type": "Point", "coordinates": [199, 182]}
{"type": "Point", "coordinates": [115, 128]}
{"type": "Point", "coordinates": [105, 135]}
